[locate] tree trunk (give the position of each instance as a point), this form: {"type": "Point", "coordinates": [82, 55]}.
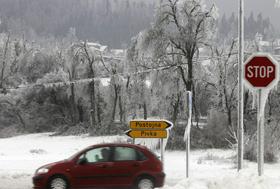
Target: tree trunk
{"type": "Point", "coordinates": [228, 111]}
{"type": "Point", "coordinates": [21, 119]}
{"type": "Point", "coordinates": [55, 101]}
{"type": "Point", "coordinates": [80, 110]}
{"type": "Point", "coordinates": [99, 111]}
{"type": "Point", "coordinates": [190, 75]}
{"type": "Point", "coordinates": [92, 106]}
{"type": "Point", "coordinates": [114, 103]}
{"type": "Point", "coordinates": [189, 83]}
{"type": "Point", "coordinates": [145, 110]}
{"type": "Point", "coordinates": [2, 77]}
{"type": "Point", "coordinates": [229, 117]}
{"type": "Point", "coordinates": [121, 113]}
{"type": "Point", "coordinates": [81, 113]}
{"type": "Point", "coordinates": [270, 106]}
{"type": "Point", "coordinates": [176, 109]}
{"type": "Point", "coordinates": [246, 100]}
{"type": "Point", "coordinates": [73, 107]}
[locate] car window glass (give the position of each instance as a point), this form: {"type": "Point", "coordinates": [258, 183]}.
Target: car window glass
{"type": "Point", "coordinates": [98, 155]}
{"type": "Point", "coordinates": [141, 156]}
{"type": "Point", "coordinates": [125, 154]}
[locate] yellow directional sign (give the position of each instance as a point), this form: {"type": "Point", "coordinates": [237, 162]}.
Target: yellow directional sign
{"type": "Point", "coordinates": [147, 133]}
{"type": "Point", "coordinates": [157, 125]}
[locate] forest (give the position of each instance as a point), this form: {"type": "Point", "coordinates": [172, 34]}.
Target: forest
{"type": "Point", "coordinates": [111, 22]}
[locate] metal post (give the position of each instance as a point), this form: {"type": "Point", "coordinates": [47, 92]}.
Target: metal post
{"type": "Point", "coordinates": [260, 134]}
{"type": "Point", "coordinates": [187, 134]}
{"type": "Point", "coordinates": [162, 152]}
{"type": "Point", "coordinates": [187, 155]}
{"type": "Point", "coordinates": [240, 85]}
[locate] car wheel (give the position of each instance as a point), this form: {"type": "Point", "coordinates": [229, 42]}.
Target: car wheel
{"type": "Point", "coordinates": [145, 183]}
{"type": "Point", "coordinates": [58, 183]}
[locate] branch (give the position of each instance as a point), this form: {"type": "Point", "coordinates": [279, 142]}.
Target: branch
{"type": "Point", "coordinates": [233, 89]}
{"type": "Point", "coordinates": [209, 84]}
{"type": "Point", "coordinates": [230, 51]}
{"type": "Point", "coordinates": [178, 46]}
{"type": "Point", "coordinates": [174, 16]}
{"type": "Point", "coordinates": [102, 61]}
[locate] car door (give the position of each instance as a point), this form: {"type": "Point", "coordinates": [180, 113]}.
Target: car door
{"type": "Point", "coordinates": [93, 168]}
{"type": "Point", "coordinates": [127, 164]}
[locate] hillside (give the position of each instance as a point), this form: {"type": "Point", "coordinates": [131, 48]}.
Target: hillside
{"type": "Point", "coordinates": [111, 22]}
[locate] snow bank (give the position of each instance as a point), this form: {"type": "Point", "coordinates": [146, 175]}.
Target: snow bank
{"type": "Point", "coordinates": [209, 169]}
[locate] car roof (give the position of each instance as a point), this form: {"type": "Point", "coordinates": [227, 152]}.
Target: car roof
{"type": "Point", "coordinates": [111, 145]}
{"type": "Point", "coordinates": [117, 144]}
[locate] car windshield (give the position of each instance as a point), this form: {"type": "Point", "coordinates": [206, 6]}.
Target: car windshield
{"type": "Point", "coordinates": [75, 154]}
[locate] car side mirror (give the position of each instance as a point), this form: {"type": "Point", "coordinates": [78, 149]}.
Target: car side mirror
{"type": "Point", "coordinates": [82, 161]}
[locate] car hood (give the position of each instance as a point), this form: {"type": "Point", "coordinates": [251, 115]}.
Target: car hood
{"type": "Point", "coordinates": [50, 165]}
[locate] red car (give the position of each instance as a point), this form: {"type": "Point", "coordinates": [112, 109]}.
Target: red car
{"type": "Point", "coordinates": [103, 166]}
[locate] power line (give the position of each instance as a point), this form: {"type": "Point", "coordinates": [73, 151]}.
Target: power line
{"type": "Point", "coordinates": [100, 78]}
{"type": "Point", "coordinates": [122, 75]}
{"type": "Point", "coordinates": [88, 80]}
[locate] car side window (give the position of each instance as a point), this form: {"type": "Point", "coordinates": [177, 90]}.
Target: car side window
{"type": "Point", "coordinates": [97, 155]}
{"type": "Point", "coordinates": [141, 156]}
{"type": "Point", "coordinates": [127, 154]}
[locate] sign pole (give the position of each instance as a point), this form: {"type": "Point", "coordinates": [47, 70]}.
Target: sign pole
{"type": "Point", "coordinates": [240, 86]}
{"type": "Point", "coordinates": [187, 133]}
{"type": "Point", "coordinates": [162, 151]}
{"type": "Point", "coordinates": [187, 156]}
{"type": "Point", "coordinates": [261, 75]}
{"type": "Point", "coordinates": [260, 135]}
{"type": "Point", "coordinates": [150, 129]}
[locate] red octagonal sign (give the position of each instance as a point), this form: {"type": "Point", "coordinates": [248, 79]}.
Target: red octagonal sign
{"type": "Point", "coordinates": [261, 71]}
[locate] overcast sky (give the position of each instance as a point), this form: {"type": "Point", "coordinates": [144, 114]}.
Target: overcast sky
{"type": "Point", "coordinates": [266, 7]}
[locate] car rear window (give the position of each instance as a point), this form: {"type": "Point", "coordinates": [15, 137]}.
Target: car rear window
{"type": "Point", "coordinates": [155, 154]}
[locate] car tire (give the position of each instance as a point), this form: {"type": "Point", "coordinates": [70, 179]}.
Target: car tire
{"type": "Point", "coordinates": [58, 182]}
{"type": "Point", "coordinates": [145, 183]}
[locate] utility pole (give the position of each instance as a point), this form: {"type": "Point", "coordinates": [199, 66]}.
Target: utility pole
{"type": "Point", "coordinates": [240, 85]}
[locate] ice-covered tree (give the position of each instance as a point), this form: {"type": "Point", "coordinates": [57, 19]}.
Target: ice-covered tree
{"type": "Point", "coordinates": [181, 29]}
{"type": "Point", "coordinates": [277, 3]}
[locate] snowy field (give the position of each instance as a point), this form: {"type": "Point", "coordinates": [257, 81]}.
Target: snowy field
{"type": "Point", "coordinates": [210, 169]}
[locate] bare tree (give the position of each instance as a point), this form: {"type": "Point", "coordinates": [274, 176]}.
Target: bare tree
{"type": "Point", "coordinates": [136, 85]}
{"type": "Point", "coordinates": [113, 67]}
{"type": "Point", "coordinates": [13, 107]}
{"type": "Point", "coordinates": [89, 57]}
{"type": "Point", "coordinates": [71, 65]}
{"type": "Point", "coordinates": [4, 61]}
{"type": "Point", "coordinates": [223, 80]}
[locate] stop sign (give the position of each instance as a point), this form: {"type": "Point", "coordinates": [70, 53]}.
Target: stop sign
{"type": "Point", "coordinates": [261, 71]}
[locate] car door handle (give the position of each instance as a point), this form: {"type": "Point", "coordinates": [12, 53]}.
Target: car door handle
{"type": "Point", "coordinates": [102, 166]}
{"type": "Point", "coordinates": [136, 164]}
{"type": "Point", "coordinates": [105, 165]}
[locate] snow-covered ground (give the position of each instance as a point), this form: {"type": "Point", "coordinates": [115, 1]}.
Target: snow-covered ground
{"type": "Point", "coordinates": [210, 169]}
